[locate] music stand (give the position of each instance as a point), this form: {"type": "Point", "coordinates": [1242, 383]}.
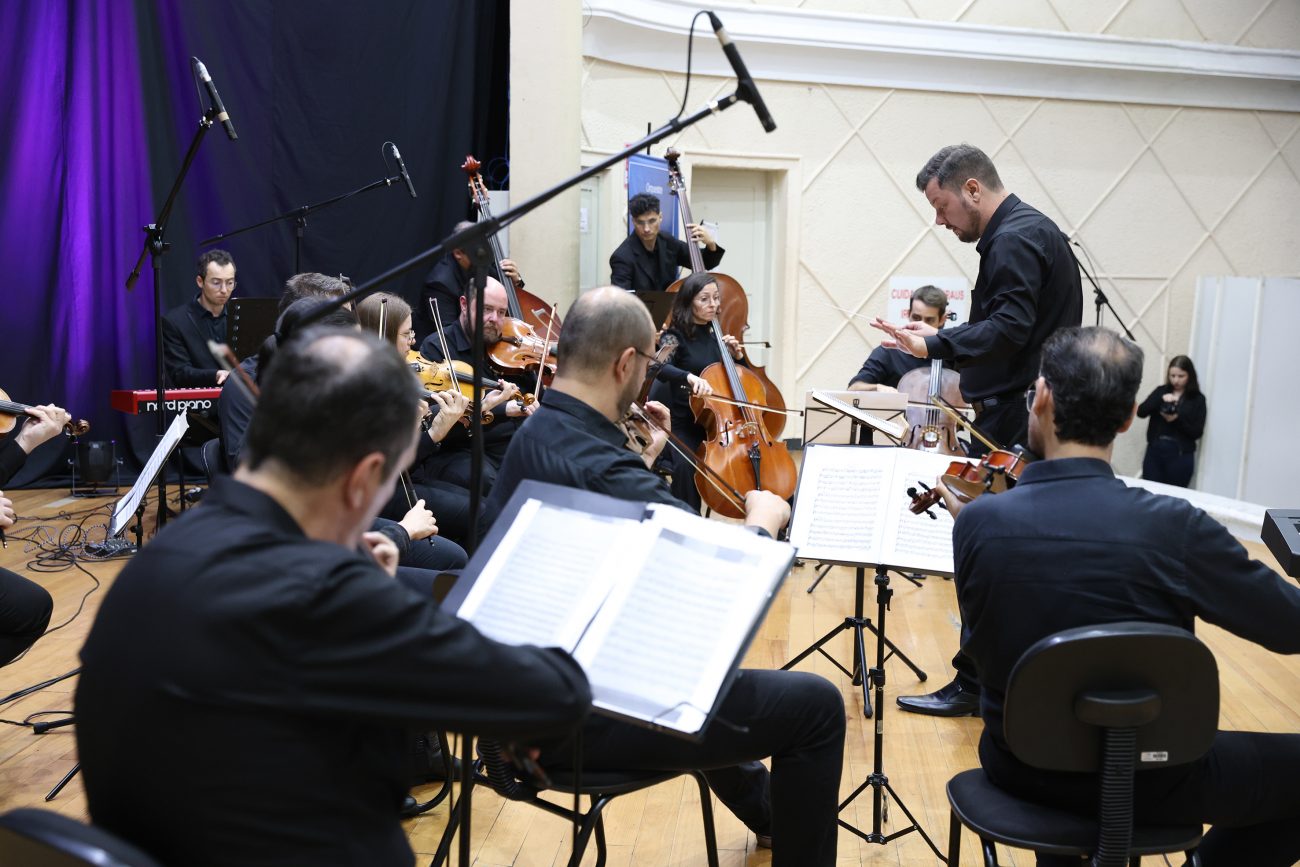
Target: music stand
{"type": "Point", "coordinates": [660, 304]}
{"type": "Point", "coordinates": [249, 323]}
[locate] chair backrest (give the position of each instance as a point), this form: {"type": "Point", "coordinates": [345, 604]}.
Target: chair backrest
{"type": "Point", "coordinates": [1049, 724]}
{"type": "Point", "coordinates": [40, 838]}
{"type": "Point", "coordinates": [214, 459]}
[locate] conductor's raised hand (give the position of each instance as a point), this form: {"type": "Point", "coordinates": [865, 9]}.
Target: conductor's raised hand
{"type": "Point", "coordinates": [909, 338]}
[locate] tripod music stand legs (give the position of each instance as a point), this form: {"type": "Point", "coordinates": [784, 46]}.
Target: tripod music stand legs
{"type": "Point", "coordinates": [857, 624]}
{"type": "Point", "coordinates": [877, 781]}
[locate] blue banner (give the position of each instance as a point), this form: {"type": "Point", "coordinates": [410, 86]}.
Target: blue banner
{"type": "Point", "coordinates": [647, 174]}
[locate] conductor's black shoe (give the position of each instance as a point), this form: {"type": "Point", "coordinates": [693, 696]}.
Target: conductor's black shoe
{"type": "Point", "coordinates": [951, 700]}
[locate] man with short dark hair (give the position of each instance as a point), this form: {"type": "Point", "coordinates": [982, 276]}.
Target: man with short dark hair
{"type": "Point", "coordinates": [188, 328]}
{"type": "Point", "coordinates": [285, 668]}
{"type": "Point", "coordinates": [1071, 545]}
{"type": "Point", "coordinates": [796, 718]}
{"type": "Point", "coordinates": [884, 367]}
{"type": "Point", "coordinates": [1028, 286]}
{"type": "Point", "coordinates": [648, 260]}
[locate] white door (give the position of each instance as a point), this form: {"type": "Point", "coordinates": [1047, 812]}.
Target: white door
{"type": "Point", "coordinates": [740, 202]}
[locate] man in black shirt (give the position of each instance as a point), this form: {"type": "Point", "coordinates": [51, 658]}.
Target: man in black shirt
{"type": "Point", "coordinates": [795, 718]}
{"type": "Point", "coordinates": [647, 260]}
{"type": "Point", "coordinates": [188, 328]}
{"type": "Point", "coordinates": [283, 668]}
{"type": "Point", "coordinates": [884, 367]}
{"type": "Point", "coordinates": [1071, 545]}
{"type": "Point", "coordinates": [445, 285]}
{"type": "Point", "coordinates": [1028, 286]}
{"type": "Point", "coordinates": [452, 461]}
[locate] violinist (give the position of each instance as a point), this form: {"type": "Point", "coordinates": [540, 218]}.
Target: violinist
{"type": "Point", "coordinates": [689, 347]}
{"type": "Point", "coordinates": [446, 284]}
{"type": "Point", "coordinates": [1028, 286]}
{"type": "Point", "coordinates": [1072, 545]}
{"type": "Point", "coordinates": [648, 260]}
{"type": "Point", "coordinates": [452, 464]}
{"type": "Point", "coordinates": [797, 719]}
{"type": "Point", "coordinates": [25, 606]}
{"type": "Point", "coordinates": [884, 367]}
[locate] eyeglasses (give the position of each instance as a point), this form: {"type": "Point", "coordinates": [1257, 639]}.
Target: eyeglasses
{"type": "Point", "coordinates": [214, 282]}
{"type": "Point", "coordinates": [647, 355]}
{"type": "Point", "coordinates": [407, 335]}
{"type": "Point", "coordinates": [1029, 397]}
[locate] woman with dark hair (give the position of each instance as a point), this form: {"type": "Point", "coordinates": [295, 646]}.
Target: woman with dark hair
{"type": "Point", "coordinates": [1177, 411]}
{"type": "Point", "coordinates": [686, 348]}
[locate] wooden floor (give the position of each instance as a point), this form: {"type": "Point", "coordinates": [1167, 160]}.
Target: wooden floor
{"type": "Point", "coordinates": [1260, 692]}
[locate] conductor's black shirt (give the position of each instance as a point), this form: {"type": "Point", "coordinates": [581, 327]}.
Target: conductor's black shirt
{"type": "Point", "coordinates": [1028, 286]}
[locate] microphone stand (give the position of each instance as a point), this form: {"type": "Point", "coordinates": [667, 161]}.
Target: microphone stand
{"type": "Point", "coordinates": [299, 216]}
{"type": "Point", "coordinates": [155, 247]}
{"type": "Point", "coordinates": [1099, 297]}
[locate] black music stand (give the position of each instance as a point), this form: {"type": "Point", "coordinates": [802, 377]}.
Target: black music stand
{"type": "Point", "coordinates": [250, 321]}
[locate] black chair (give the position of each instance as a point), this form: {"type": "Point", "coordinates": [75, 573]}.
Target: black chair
{"type": "Point", "coordinates": [39, 838]}
{"type": "Point", "coordinates": [214, 459]}
{"type": "Point", "coordinates": [1110, 700]}
{"type": "Point", "coordinates": [495, 771]}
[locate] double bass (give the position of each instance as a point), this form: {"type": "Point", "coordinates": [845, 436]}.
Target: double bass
{"type": "Point", "coordinates": [734, 313]}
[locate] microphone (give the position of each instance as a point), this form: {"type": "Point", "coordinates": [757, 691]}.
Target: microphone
{"type": "Point", "coordinates": [215, 97]}
{"type": "Point", "coordinates": [748, 92]}
{"type": "Point", "coordinates": [406, 176]}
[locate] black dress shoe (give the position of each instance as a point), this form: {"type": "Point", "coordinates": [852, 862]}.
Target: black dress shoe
{"type": "Point", "coordinates": [951, 700]}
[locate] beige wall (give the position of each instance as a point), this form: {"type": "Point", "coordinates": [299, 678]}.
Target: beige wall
{"type": "Point", "coordinates": [1159, 194]}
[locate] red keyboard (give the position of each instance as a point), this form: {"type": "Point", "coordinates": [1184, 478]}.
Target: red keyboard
{"type": "Point", "coordinates": [141, 400]}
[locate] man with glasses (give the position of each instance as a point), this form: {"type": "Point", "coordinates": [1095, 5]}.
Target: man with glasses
{"type": "Point", "coordinates": [796, 718]}
{"type": "Point", "coordinates": [188, 328]}
{"type": "Point", "coordinates": [648, 261]}
{"type": "Point", "coordinates": [1028, 286]}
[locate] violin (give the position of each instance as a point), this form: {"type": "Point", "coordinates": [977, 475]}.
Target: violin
{"type": "Point", "coordinates": [520, 351]}
{"type": "Point", "coordinates": [932, 431]}
{"type": "Point", "coordinates": [733, 315]}
{"type": "Point", "coordinates": [10, 411]}
{"type": "Point", "coordinates": [994, 473]}
{"type": "Point", "coordinates": [740, 448]}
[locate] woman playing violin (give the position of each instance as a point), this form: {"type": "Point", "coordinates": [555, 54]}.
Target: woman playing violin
{"type": "Point", "coordinates": [688, 346]}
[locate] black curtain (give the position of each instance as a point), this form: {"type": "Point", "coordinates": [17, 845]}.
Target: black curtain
{"type": "Point", "coordinates": [314, 88]}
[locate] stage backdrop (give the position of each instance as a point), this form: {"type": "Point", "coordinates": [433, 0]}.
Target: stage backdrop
{"type": "Point", "coordinates": [97, 108]}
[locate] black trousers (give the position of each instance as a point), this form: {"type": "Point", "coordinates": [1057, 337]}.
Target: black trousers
{"type": "Point", "coordinates": [794, 717]}
{"type": "Point", "coordinates": [1244, 787]}
{"type": "Point", "coordinates": [449, 504]}
{"type": "Point", "coordinates": [1166, 462]}
{"type": "Point", "coordinates": [25, 609]}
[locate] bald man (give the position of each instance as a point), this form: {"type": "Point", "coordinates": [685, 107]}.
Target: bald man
{"type": "Point", "coordinates": [797, 719]}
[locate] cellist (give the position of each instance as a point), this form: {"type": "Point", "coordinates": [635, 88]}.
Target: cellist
{"type": "Point", "coordinates": [688, 347]}
{"type": "Point", "coordinates": [648, 260]}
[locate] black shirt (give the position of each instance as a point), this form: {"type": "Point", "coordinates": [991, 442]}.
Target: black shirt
{"type": "Point", "coordinates": [277, 677]}
{"type": "Point", "coordinates": [1186, 429]}
{"type": "Point", "coordinates": [12, 456]}
{"type": "Point", "coordinates": [567, 442]}
{"type": "Point", "coordinates": [186, 332]}
{"type": "Point", "coordinates": [1071, 545]}
{"type": "Point", "coordinates": [887, 366]}
{"type": "Point", "coordinates": [634, 267]}
{"type": "Point", "coordinates": [1028, 286]}
{"type": "Point", "coordinates": [444, 286]}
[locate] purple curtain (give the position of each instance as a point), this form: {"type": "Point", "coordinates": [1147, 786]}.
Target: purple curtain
{"type": "Point", "coordinates": [74, 180]}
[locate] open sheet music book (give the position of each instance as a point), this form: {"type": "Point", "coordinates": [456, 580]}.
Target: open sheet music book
{"type": "Point", "coordinates": [657, 605]}
{"type": "Point", "coordinates": [852, 507]}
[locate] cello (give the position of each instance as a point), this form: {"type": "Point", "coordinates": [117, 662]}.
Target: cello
{"type": "Point", "coordinates": [932, 431]}
{"type": "Point", "coordinates": [734, 313]}
{"type": "Point", "coordinates": [740, 449]}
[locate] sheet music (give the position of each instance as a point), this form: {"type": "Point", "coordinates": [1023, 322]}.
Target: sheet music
{"type": "Point", "coordinates": [540, 587]}
{"type": "Point", "coordinates": [852, 507]}
{"type": "Point", "coordinates": [664, 643]}
{"type": "Point", "coordinates": [124, 508]}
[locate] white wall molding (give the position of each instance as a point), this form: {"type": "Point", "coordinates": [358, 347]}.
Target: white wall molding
{"type": "Point", "coordinates": [797, 45]}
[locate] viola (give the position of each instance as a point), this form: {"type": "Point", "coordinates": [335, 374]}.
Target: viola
{"type": "Point", "coordinates": [740, 448]}
{"type": "Point", "coordinates": [733, 315]}
{"type": "Point", "coordinates": [521, 351]}
{"type": "Point", "coordinates": [10, 411]}
{"type": "Point", "coordinates": [994, 473]}
{"type": "Point", "coordinates": [932, 430]}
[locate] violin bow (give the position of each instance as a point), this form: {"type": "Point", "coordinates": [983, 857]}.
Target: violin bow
{"type": "Point", "coordinates": [710, 475]}
{"type": "Point", "coordinates": [550, 320]}
{"type": "Point", "coordinates": [961, 420]}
